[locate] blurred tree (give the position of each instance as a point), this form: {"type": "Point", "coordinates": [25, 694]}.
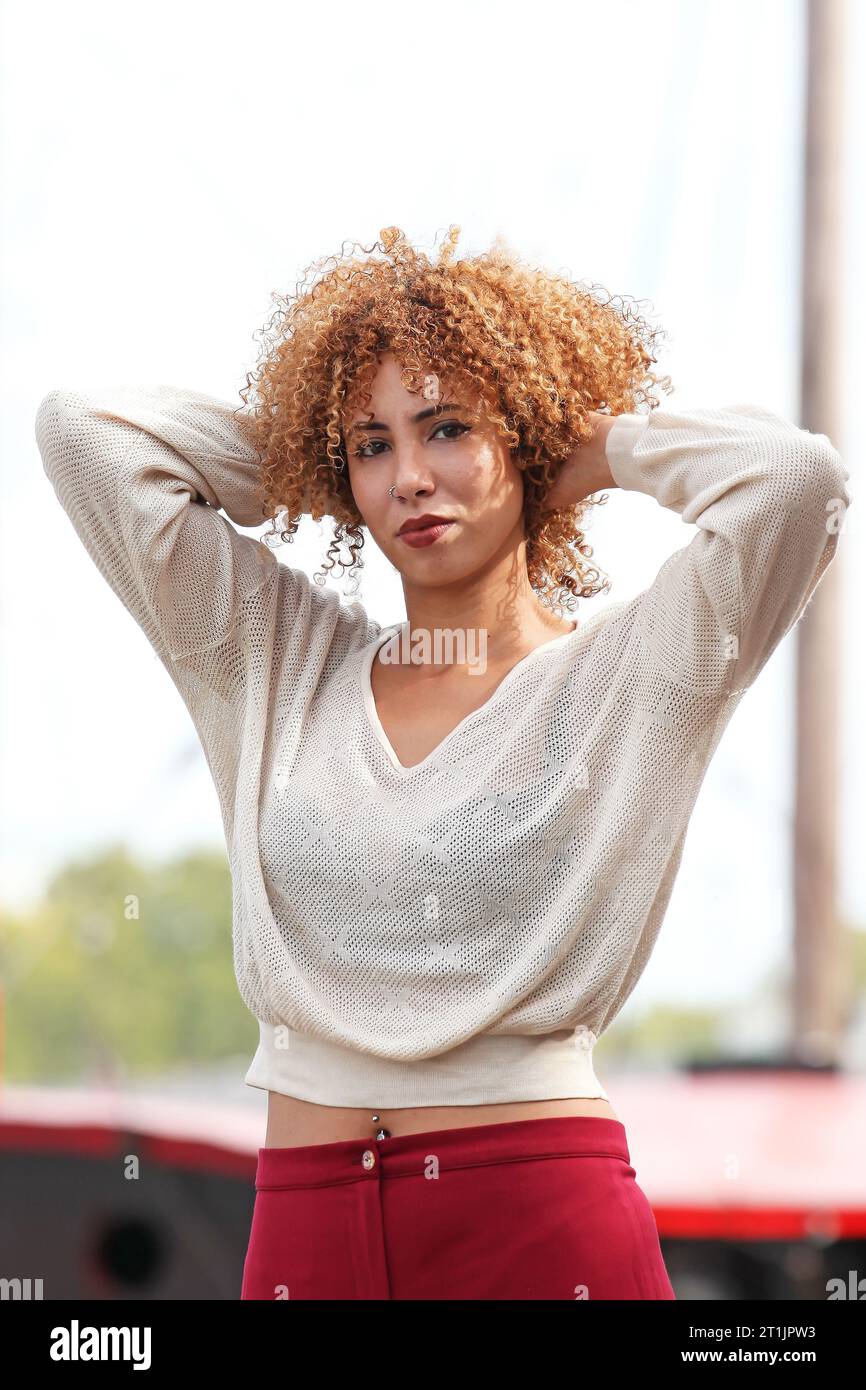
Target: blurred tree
{"type": "Point", "coordinates": [123, 962]}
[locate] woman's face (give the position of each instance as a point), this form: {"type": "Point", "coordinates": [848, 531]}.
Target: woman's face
{"type": "Point", "coordinates": [449, 465]}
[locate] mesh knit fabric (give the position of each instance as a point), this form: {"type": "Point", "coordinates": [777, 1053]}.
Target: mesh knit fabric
{"type": "Point", "coordinates": [464, 930]}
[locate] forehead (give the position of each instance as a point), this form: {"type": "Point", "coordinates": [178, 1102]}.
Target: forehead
{"type": "Point", "coordinates": [391, 401]}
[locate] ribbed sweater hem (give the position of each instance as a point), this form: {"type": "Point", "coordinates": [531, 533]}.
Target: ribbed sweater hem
{"type": "Point", "coordinates": [483, 1070]}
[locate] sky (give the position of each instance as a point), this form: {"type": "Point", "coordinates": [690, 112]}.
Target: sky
{"type": "Point", "coordinates": [168, 168]}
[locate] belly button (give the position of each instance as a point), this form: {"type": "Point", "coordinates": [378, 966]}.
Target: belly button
{"type": "Point", "coordinates": [380, 1133]}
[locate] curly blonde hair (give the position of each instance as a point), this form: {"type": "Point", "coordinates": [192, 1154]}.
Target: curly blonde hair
{"type": "Point", "coordinates": [537, 352]}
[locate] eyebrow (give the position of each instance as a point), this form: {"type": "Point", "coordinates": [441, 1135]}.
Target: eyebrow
{"type": "Point", "coordinates": [414, 420]}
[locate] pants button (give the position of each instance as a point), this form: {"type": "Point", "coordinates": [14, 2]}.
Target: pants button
{"type": "Point", "coordinates": [368, 1159]}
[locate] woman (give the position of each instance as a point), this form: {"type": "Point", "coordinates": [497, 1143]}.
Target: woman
{"type": "Point", "coordinates": [451, 853]}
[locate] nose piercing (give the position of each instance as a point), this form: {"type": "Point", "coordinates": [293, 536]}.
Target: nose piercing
{"type": "Point", "coordinates": [380, 1133]}
{"type": "Point", "coordinates": [391, 489]}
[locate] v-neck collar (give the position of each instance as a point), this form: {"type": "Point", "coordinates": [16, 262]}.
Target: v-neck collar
{"type": "Point", "coordinates": [370, 702]}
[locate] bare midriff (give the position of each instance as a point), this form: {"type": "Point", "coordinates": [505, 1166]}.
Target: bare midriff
{"type": "Point", "coordinates": [292, 1122]}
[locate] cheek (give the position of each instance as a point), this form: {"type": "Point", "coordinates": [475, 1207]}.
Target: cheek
{"type": "Point", "coordinates": [495, 486]}
{"type": "Point", "coordinates": [485, 476]}
{"type": "Point", "coordinates": [371, 497]}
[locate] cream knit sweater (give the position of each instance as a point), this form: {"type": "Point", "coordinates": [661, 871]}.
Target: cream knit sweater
{"type": "Point", "coordinates": [461, 931]}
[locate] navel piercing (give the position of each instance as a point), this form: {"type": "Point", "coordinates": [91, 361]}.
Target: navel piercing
{"type": "Point", "coordinates": [380, 1133]}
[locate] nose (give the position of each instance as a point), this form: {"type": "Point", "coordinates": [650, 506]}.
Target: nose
{"type": "Point", "coordinates": [411, 476]}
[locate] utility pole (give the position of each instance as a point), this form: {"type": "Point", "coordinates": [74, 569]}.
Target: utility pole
{"type": "Point", "coordinates": [817, 1017]}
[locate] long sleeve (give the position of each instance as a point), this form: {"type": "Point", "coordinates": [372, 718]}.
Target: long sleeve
{"type": "Point", "coordinates": [142, 473]}
{"type": "Point", "coordinates": [767, 497]}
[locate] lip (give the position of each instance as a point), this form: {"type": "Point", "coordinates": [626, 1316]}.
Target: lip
{"type": "Point", "coordinates": [417, 523]}
{"type": "Point", "coordinates": [419, 536]}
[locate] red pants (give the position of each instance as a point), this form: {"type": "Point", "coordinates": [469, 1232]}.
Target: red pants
{"type": "Point", "coordinates": [527, 1209]}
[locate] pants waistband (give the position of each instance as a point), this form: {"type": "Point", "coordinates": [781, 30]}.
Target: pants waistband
{"type": "Point", "coordinates": [357, 1160]}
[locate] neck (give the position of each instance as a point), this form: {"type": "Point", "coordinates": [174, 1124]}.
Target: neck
{"type": "Point", "coordinates": [498, 601]}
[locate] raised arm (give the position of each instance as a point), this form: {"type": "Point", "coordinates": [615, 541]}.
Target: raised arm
{"type": "Point", "coordinates": [142, 473]}
{"type": "Point", "coordinates": [768, 498]}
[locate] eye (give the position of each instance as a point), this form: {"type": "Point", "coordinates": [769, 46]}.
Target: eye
{"type": "Point", "coordinates": [445, 425]}
{"type": "Point", "coordinates": [451, 425]}
{"type": "Point", "coordinates": [362, 454]}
